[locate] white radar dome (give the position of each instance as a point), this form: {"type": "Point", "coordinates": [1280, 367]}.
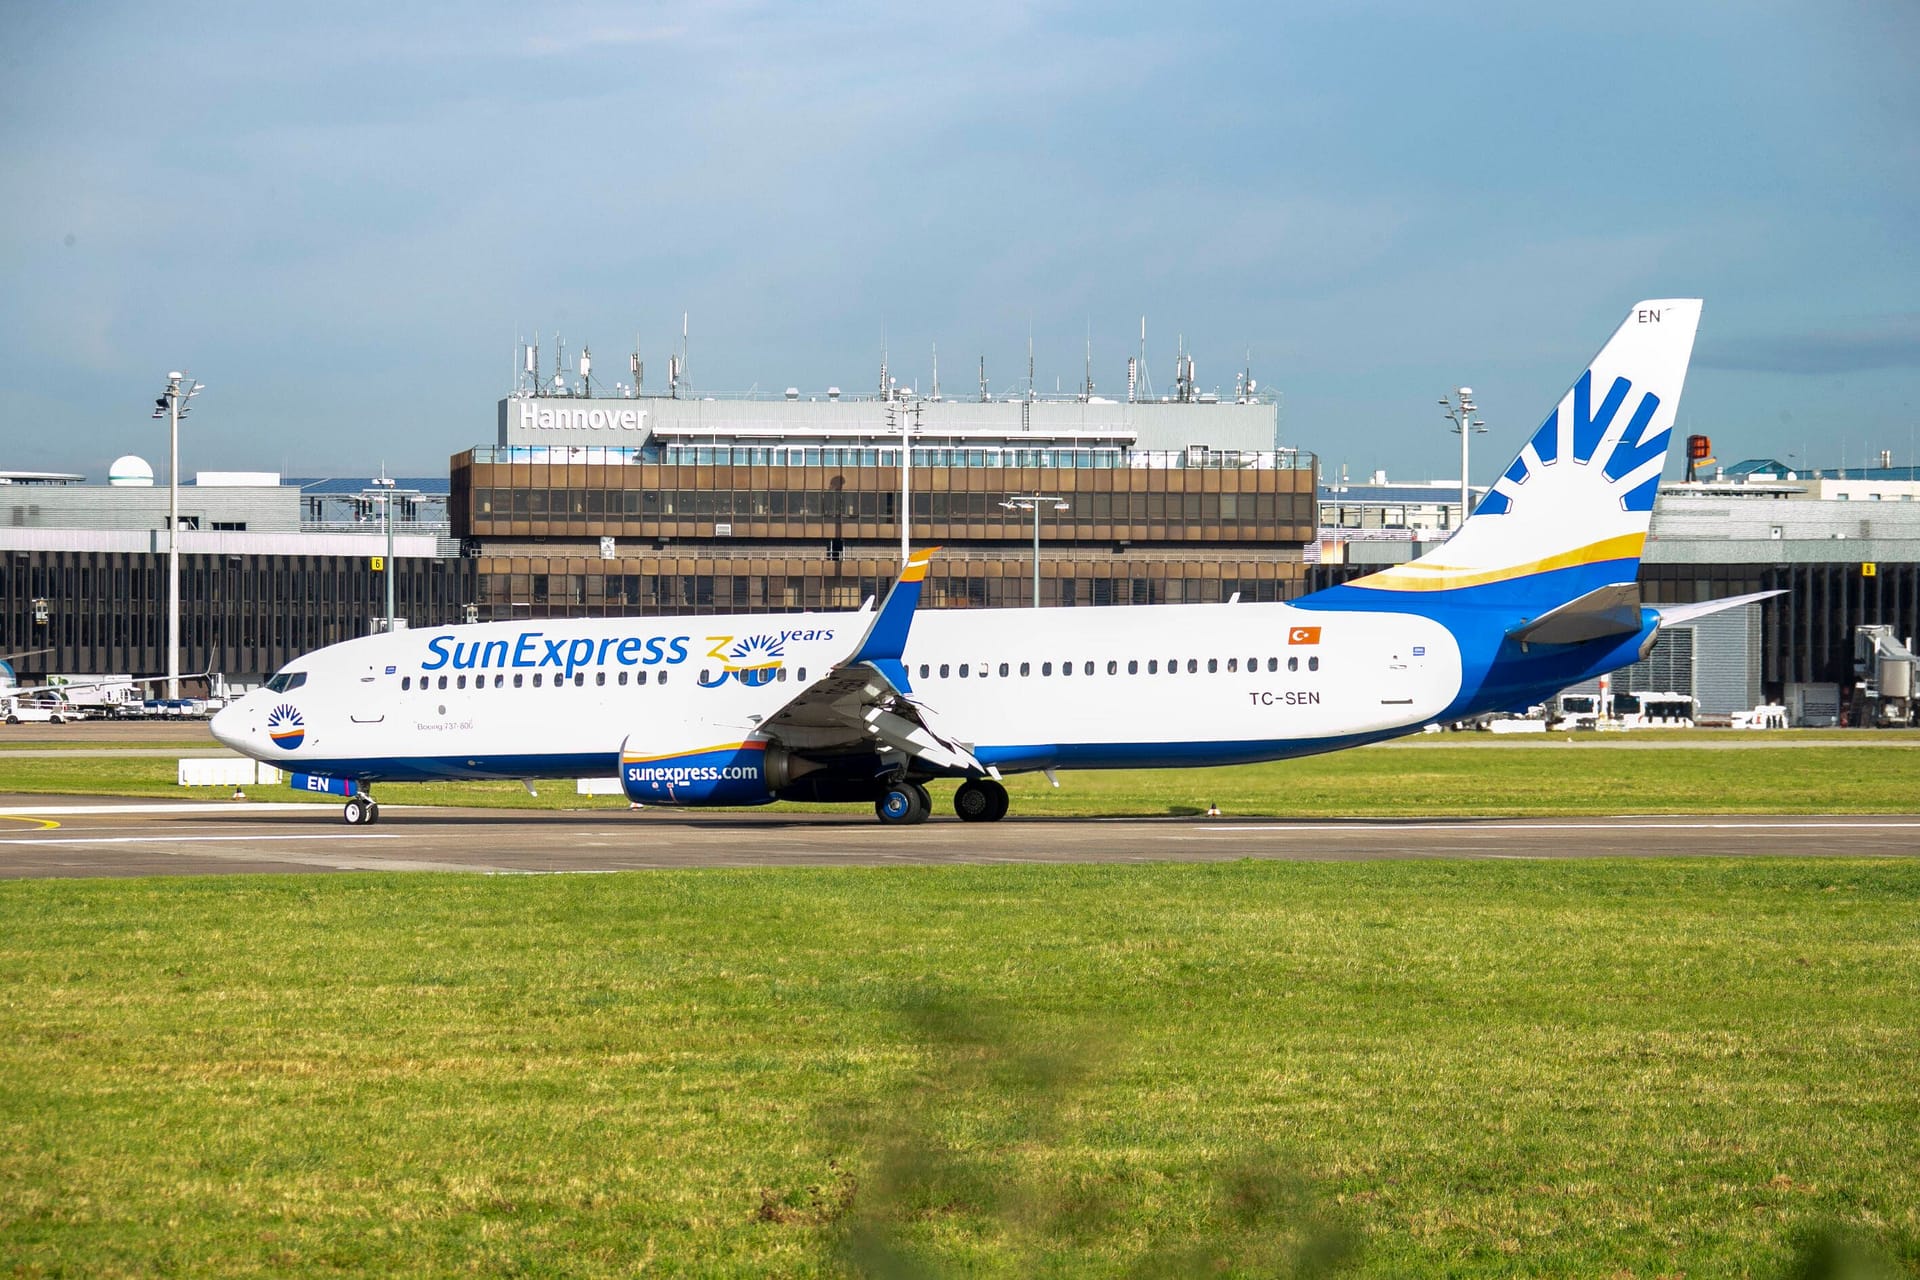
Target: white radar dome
{"type": "Point", "coordinates": [130, 472]}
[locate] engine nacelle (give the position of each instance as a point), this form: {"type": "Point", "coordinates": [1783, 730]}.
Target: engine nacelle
{"type": "Point", "coordinates": [747, 772]}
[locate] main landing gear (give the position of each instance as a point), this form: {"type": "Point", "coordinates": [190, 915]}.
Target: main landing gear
{"type": "Point", "coordinates": [360, 811]}
{"type": "Point", "coordinates": [903, 804]}
{"type": "Point", "coordinates": [980, 800]}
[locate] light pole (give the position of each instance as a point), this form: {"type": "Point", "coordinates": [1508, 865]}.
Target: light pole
{"type": "Point", "coordinates": [908, 418]}
{"type": "Point", "coordinates": [384, 492]}
{"type": "Point", "coordinates": [174, 404]}
{"type": "Point", "coordinates": [1033, 502]}
{"type": "Point", "coordinates": [1460, 414]}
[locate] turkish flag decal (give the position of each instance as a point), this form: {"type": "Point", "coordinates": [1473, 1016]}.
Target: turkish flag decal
{"type": "Point", "coordinates": [1304, 635]}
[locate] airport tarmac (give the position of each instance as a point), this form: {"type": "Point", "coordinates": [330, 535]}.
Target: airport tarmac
{"type": "Point", "coordinates": [64, 836]}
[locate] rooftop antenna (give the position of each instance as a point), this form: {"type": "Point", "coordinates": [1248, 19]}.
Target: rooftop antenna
{"type": "Point", "coordinates": [636, 366]}
{"type": "Point", "coordinates": [686, 347]}
{"type": "Point", "coordinates": [936, 371]}
{"type": "Point", "coordinates": [586, 371]}
{"type": "Point", "coordinates": [1087, 393]}
{"type": "Point", "coordinates": [559, 365]}
{"type": "Point", "coordinates": [1146, 378]}
{"type": "Point", "coordinates": [533, 361]}
{"type": "Point", "coordinates": [1030, 391]}
{"type": "Point", "coordinates": [885, 394]}
{"type": "Point", "coordinates": [984, 397]}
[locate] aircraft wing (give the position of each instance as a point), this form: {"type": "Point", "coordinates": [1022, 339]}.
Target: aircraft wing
{"type": "Point", "coordinates": [867, 700]}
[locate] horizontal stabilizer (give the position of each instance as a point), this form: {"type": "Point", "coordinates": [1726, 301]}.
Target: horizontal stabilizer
{"type": "Point", "coordinates": [1675, 613]}
{"type": "Point", "coordinates": [1612, 610]}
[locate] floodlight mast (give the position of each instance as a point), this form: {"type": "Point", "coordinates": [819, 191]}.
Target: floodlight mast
{"type": "Point", "coordinates": [1032, 502]}
{"type": "Point", "coordinates": [173, 404]}
{"type": "Point", "coordinates": [1460, 414]}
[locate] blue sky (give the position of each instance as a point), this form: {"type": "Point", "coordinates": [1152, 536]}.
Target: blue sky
{"type": "Point", "coordinates": [341, 217]}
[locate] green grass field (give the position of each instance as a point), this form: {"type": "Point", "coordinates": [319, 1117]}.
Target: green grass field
{"type": "Point", "coordinates": [1434, 778]}
{"type": "Point", "coordinates": [1632, 1068]}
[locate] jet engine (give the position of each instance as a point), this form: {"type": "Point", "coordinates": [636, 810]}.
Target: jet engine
{"type": "Point", "coordinates": [749, 772]}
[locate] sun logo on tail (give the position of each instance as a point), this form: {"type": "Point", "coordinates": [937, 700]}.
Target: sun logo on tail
{"type": "Point", "coordinates": [285, 726]}
{"type": "Point", "coordinates": [1576, 432]}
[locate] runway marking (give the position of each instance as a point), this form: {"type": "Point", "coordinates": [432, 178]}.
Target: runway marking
{"type": "Point", "coordinates": [252, 839]}
{"type": "Point", "coordinates": [228, 806]}
{"type": "Point", "coordinates": [1521, 826]}
{"type": "Point", "coordinates": [46, 824]}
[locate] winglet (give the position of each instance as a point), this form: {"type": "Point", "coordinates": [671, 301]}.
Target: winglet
{"type": "Point", "coordinates": [1672, 615]}
{"type": "Point", "coordinates": [886, 639]}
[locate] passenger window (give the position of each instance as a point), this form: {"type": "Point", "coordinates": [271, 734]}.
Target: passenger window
{"type": "Point", "coordinates": [1293, 664]}
{"type": "Point", "coordinates": [443, 682]}
{"type": "Point", "coordinates": [663, 677]}
{"type": "Point", "coordinates": [1133, 666]}
{"type": "Point", "coordinates": [1193, 666]}
{"type": "Point", "coordinates": [460, 682]}
{"type": "Point", "coordinates": [1066, 668]}
{"type": "Point", "coordinates": [1213, 666]}
{"type": "Point", "coordinates": [518, 679]}
{"type": "Point", "coordinates": [779, 675]}
{"type": "Point", "coordinates": [406, 683]}
{"type": "Point", "coordinates": [1046, 668]}
{"type": "Point", "coordinates": [1113, 668]}
{"type": "Point", "coordinates": [640, 677]}
{"type": "Point", "coordinates": [599, 677]}
{"type": "Point", "coordinates": [579, 679]}
{"type": "Point", "coordinates": [1088, 669]}
{"type": "Point", "coordinates": [1153, 666]}
{"type": "Point", "coordinates": [803, 673]}
{"type": "Point", "coordinates": [706, 676]}
{"type": "Point", "coordinates": [943, 670]}
{"type": "Point", "coordinates": [536, 679]}
{"type": "Point", "coordinates": [923, 671]}
{"type": "Point", "coordinates": [1233, 664]}
{"type": "Point", "coordinates": [1026, 668]}
{"type": "Point", "coordinates": [1273, 664]}
{"type": "Point", "coordinates": [963, 671]}
{"type": "Point", "coordinates": [1004, 668]}
{"type": "Point", "coordinates": [1313, 664]}
{"type": "Point", "coordinates": [499, 682]}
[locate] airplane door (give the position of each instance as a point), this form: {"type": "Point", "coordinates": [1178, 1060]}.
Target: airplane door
{"type": "Point", "coordinates": [365, 705]}
{"type": "Point", "coordinates": [1400, 683]}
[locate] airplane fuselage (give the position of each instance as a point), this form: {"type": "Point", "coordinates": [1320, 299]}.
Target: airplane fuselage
{"type": "Point", "coordinates": [1028, 689]}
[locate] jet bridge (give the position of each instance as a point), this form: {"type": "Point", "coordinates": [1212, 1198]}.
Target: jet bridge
{"type": "Point", "coordinates": [1883, 677]}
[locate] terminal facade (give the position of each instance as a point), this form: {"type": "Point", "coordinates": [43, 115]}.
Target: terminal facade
{"type": "Point", "coordinates": [667, 505]}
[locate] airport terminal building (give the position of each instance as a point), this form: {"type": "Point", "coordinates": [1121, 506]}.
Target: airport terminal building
{"type": "Point", "coordinates": [595, 505]}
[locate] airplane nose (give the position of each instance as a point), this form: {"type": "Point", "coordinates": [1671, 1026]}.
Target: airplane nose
{"type": "Point", "coordinates": [230, 727]}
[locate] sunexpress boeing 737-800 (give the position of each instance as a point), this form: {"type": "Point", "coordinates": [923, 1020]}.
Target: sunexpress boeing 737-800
{"type": "Point", "coordinates": [1535, 592]}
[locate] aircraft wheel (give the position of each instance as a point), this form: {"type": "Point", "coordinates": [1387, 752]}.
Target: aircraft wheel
{"type": "Point", "coordinates": [358, 812]}
{"type": "Point", "coordinates": [903, 804]}
{"type": "Point", "coordinates": [980, 800]}
{"type": "Point", "coordinates": [373, 809]}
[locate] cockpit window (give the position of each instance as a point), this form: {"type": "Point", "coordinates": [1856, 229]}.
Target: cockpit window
{"type": "Point", "coordinates": [287, 681]}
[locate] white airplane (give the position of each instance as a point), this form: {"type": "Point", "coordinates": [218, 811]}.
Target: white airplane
{"type": "Point", "coordinates": [1534, 593]}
